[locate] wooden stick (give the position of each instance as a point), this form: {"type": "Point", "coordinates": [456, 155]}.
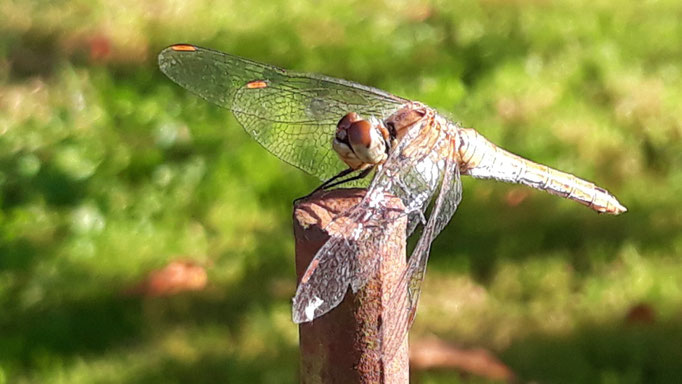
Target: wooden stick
{"type": "Point", "coordinates": [343, 346]}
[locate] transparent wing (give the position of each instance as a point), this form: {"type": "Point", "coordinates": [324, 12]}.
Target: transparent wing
{"type": "Point", "coordinates": [405, 297]}
{"type": "Point", "coordinates": [348, 258]}
{"type": "Point", "coordinates": [411, 172]}
{"type": "Point", "coordinates": [293, 115]}
{"type": "Point", "coordinates": [355, 235]}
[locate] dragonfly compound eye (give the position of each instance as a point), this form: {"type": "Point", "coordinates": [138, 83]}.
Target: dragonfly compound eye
{"type": "Point", "coordinates": [360, 133]}
{"type": "Point", "coordinates": [347, 120]}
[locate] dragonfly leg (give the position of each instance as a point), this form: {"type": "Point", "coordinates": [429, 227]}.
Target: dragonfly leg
{"type": "Point", "coordinates": [359, 176]}
{"type": "Point", "coordinates": [333, 182]}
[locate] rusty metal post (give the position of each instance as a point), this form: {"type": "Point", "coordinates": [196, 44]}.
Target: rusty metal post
{"type": "Point", "coordinates": [343, 346]}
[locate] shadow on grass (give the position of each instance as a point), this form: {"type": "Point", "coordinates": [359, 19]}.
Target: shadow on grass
{"type": "Point", "coordinates": [64, 328]}
{"type": "Point", "coordinates": [225, 368]}
{"type": "Point", "coordinates": [482, 236]}
{"type": "Point", "coordinates": [69, 327]}
{"type": "Point", "coordinates": [637, 353]}
{"type": "Point", "coordinates": [606, 353]}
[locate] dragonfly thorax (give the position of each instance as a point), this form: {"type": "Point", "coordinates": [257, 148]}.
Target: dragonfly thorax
{"type": "Point", "coordinates": [402, 120]}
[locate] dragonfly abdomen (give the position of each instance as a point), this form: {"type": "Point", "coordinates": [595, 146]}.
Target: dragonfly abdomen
{"type": "Point", "coordinates": [482, 159]}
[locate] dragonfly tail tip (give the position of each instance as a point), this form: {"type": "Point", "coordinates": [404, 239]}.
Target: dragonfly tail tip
{"type": "Point", "coordinates": [618, 208]}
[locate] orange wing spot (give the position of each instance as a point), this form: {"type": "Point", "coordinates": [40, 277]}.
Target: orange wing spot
{"type": "Point", "coordinates": [311, 268]}
{"type": "Point", "coordinates": [184, 48]}
{"type": "Point", "coordinates": [257, 84]}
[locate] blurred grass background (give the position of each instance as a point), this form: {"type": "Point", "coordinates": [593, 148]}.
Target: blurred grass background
{"type": "Point", "coordinates": [108, 171]}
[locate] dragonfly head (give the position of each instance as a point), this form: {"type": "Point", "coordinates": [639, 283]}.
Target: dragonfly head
{"type": "Point", "coordinates": [361, 143]}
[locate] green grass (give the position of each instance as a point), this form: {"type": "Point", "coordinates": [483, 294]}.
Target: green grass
{"type": "Point", "coordinates": [108, 170]}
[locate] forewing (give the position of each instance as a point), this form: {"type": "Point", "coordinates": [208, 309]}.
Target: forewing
{"type": "Point", "coordinates": [293, 115]}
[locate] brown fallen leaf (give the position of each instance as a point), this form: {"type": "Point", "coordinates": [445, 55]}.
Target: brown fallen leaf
{"type": "Point", "coordinates": [100, 48]}
{"type": "Point", "coordinates": [516, 196]}
{"type": "Point", "coordinates": [641, 313]}
{"type": "Point", "coordinates": [178, 276]}
{"type": "Point", "coordinates": [433, 353]}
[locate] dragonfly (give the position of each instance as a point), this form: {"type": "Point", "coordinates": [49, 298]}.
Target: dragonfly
{"type": "Point", "coordinates": [341, 131]}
